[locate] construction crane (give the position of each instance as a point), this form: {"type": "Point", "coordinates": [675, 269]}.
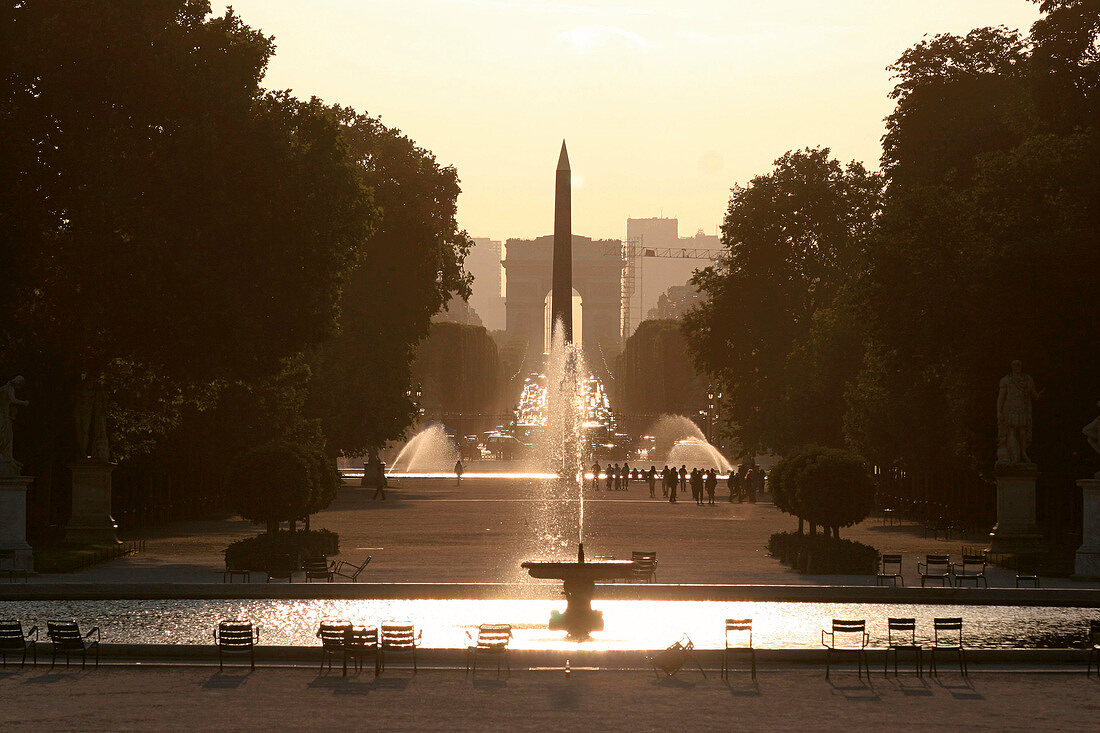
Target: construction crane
{"type": "Point", "coordinates": [633, 251]}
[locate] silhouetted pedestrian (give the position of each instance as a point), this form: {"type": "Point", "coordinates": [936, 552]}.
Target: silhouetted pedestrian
{"type": "Point", "coordinates": [683, 477]}
{"type": "Point", "coordinates": [664, 480]}
{"type": "Point", "coordinates": [711, 485]}
{"type": "Point", "coordinates": [626, 477]}
{"type": "Point", "coordinates": [697, 486]}
{"type": "Point", "coordinates": [652, 477]}
{"type": "Point", "coordinates": [458, 472]}
{"type": "Point", "coordinates": [596, 476]}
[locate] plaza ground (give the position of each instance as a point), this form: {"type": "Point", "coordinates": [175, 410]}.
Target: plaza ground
{"type": "Point", "coordinates": [201, 698]}
{"type": "Point", "coordinates": [429, 530]}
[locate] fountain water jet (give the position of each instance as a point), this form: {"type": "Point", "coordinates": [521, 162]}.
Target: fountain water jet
{"type": "Point", "coordinates": [681, 441]}
{"type": "Point", "coordinates": [562, 442]}
{"type": "Point", "coordinates": [429, 451]}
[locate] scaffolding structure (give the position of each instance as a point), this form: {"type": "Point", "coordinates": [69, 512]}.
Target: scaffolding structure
{"type": "Point", "coordinates": [633, 251]}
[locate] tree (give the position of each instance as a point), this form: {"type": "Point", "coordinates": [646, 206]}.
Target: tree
{"type": "Point", "coordinates": [793, 237]}
{"type": "Point", "coordinates": [166, 225]}
{"type": "Point", "coordinates": [654, 373]}
{"type": "Point", "coordinates": [823, 486]}
{"type": "Point", "coordinates": [458, 370]}
{"type": "Point", "coordinates": [410, 267]}
{"type": "Point", "coordinates": [271, 484]}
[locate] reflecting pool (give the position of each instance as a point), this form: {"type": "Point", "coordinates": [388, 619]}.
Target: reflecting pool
{"type": "Point", "coordinates": [628, 624]}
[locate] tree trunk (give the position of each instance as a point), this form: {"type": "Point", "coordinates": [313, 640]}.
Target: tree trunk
{"type": "Point", "coordinates": [813, 529]}
{"type": "Point", "coordinates": [307, 523]}
{"type": "Point", "coordinates": [272, 526]}
{"type": "Point", "coordinates": [293, 525]}
{"type": "Point", "coordinates": [801, 523]}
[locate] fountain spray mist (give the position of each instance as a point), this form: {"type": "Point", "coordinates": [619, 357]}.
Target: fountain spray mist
{"type": "Point", "coordinates": [560, 445]}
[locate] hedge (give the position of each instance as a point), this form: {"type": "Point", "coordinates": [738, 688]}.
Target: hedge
{"type": "Point", "coordinates": [257, 553]}
{"type": "Point", "coordinates": [821, 555]}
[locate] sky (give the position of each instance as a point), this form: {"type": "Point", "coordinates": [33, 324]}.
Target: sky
{"type": "Point", "coordinates": [665, 105]}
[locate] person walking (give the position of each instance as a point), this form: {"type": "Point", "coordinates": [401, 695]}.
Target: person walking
{"type": "Point", "coordinates": [626, 476]}
{"type": "Point", "coordinates": [711, 485]}
{"type": "Point", "coordinates": [696, 481]}
{"type": "Point", "coordinates": [596, 476]}
{"type": "Point", "coordinates": [609, 477]}
{"type": "Point", "coordinates": [664, 481]}
{"type": "Point", "coordinates": [683, 477]}
{"type": "Point", "coordinates": [731, 482]}
{"type": "Point", "coordinates": [652, 477]}
{"type": "Point", "coordinates": [380, 487]}
{"type": "Point", "coordinates": [458, 472]}
{"type": "Point", "coordinates": [672, 486]}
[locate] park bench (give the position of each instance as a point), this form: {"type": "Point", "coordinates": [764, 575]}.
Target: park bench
{"type": "Point", "coordinates": [1094, 647]}
{"type": "Point", "coordinates": [397, 639]}
{"type": "Point", "coordinates": [672, 658]}
{"type": "Point", "coordinates": [66, 639]}
{"type": "Point", "coordinates": [345, 569]}
{"type": "Point", "coordinates": [972, 567]}
{"type": "Point", "coordinates": [901, 636]}
{"type": "Point", "coordinates": [890, 569]}
{"type": "Point", "coordinates": [317, 568]}
{"type": "Point", "coordinates": [236, 637]}
{"type": "Point", "coordinates": [645, 565]}
{"type": "Point", "coordinates": [13, 640]}
{"type": "Point", "coordinates": [935, 567]}
{"type": "Point", "coordinates": [833, 645]}
{"type": "Point", "coordinates": [332, 635]}
{"type": "Point", "coordinates": [738, 627]}
{"type": "Point", "coordinates": [947, 637]}
{"type": "Point", "coordinates": [361, 641]}
{"type": "Point", "coordinates": [492, 640]}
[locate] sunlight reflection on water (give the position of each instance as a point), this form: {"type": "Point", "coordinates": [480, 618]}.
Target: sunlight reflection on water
{"type": "Point", "coordinates": [628, 624]}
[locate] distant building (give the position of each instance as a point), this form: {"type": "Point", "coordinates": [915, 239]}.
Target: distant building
{"type": "Point", "coordinates": [655, 275]}
{"type": "Point", "coordinates": [597, 273]}
{"type": "Point", "coordinates": [675, 302]}
{"type": "Point", "coordinates": [484, 263]}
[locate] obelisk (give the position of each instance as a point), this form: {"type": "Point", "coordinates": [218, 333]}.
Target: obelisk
{"type": "Point", "coordinates": [561, 295]}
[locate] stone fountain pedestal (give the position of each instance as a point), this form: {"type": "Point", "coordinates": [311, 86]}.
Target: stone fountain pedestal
{"type": "Point", "coordinates": [91, 522]}
{"type": "Point", "coordinates": [579, 618]}
{"type": "Point", "coordinates": [1087, 562]}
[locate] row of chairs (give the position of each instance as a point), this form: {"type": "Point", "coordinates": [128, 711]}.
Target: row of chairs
{"type": "Point", "coordinates": [939, 568]}
{"type": "Point", "coordinates": [65, 637]}
{"type": "Point", "coordinates": [314, 568]}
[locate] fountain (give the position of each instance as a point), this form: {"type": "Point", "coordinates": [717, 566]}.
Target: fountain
{"type": "Point", "coordinates": [562, 442]}
{"type": "Point", "coordinates": [683, 443]}
{"type": "Point", "coordinates": [429, 451]}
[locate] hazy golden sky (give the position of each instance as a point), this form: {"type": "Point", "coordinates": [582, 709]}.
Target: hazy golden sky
{"type": "Point", "coordinates": [665, 105]}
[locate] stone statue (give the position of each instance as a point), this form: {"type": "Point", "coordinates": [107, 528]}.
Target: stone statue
{"type": "Point", "coordinates": [8, 402]}
{"type": "Point", "coordinates": [90, 415]}
{"type": "Point", "coordinates": [1017, 390]}
{"type": "Point", "coordinates": [1092, 435]}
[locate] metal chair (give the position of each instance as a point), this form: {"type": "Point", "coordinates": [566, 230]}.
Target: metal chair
{"type": "Point", "coordinates": [236, 637]}
{"type": "Point", "coordinates": [645, 565]}
{"type": "Point", "coordinates": [901, 636]}
{"type": "Point", "coordinates": [332, 635]}
{"type": "Point", "coordinates": [345, 569]}
{"type": "Point", "coordinates": [972, 567]}
{"type": "Point", "coordinates": [361, 641]}
{"type": "Point", "coordinates": [947, 637]}
{"type": "Point", "coordinates": [738, 627]}
{"type": "Point", "coordinates": [317, 568]}
{"type": "Point", "coordinates": [842, 626]}
{"type": "Point", "coordinates": [397, 639]}
{"type": "Point", "coordinates": [672, 658]}
{"type": "Point", "coordinates": [1026, 572]}
{"type": "Point", "coordinates": [12, 640]}
{"type": "Point", "coordinates": [492, 639]}
{"type": "Point", "coordinates": [282, 567]}
{"type": "Point", "coordinates": [67, 639]}
{"type": "Point", "coordinates": [231, 571]}
{"type": "Point", "coordinates": [890, 569]}
{"type": "Point", "coordinates": [1094, 647]}
{"type": "Point", "coordinates": [935, 567]}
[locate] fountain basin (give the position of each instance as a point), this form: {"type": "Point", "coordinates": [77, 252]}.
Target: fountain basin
{"type": "Point", "coordinates": [579, 618]}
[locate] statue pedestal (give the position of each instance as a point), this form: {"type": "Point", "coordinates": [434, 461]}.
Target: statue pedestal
{"type": "Point", "coordinates": [1087, 564]}
{"type": "Point", "coordinates": [1016, 531]}
{"type": "Point", "coordinates": [13, 522]}
{"type": "Point", "coordinates": [91, 522]}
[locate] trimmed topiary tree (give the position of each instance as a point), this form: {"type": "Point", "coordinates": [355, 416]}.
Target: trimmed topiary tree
{"type": "Point", "coordinates": [271, 484]}
{"type": "Point", "coordinates": [823, 486]}
{"type": "Point", "coordinates": [326, 482]}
